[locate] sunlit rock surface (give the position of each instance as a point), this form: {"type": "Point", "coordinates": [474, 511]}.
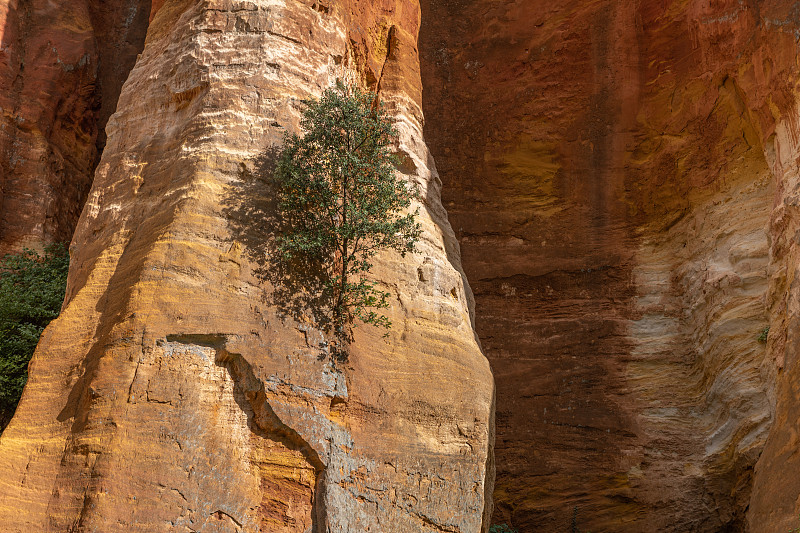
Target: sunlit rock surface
{"type": "Point", "coordinates": [171, 395]}
{"type": "Point", "coordinates": [622, 178]}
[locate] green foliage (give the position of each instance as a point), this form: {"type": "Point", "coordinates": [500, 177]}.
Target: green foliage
{"type": "Point", "coordinates": [762, 337]}
{"type": "Point", "coordinates": [501, 528]}
{"type": "Point", "coordinates": [31, 293]}
{"type": "Point", "coordinates": [340, 201]}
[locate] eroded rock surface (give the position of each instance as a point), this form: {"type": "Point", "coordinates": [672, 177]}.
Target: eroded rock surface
{"type": "Point", "coordinates": [171, 395]}
{"type": "Point", "coordinates": [62, 65]}
{"type": "Point", "coordinates": [614, 176]}
{"type": "Point", "coordinates": [622, 177]}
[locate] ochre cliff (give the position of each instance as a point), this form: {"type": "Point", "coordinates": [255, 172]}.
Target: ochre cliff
{"type": "Point", "coordinates": [621, 178]}
{"type": "Point", "coordinates": [170, 395]}
{"type": "Point", "coordinates": [62, 65]}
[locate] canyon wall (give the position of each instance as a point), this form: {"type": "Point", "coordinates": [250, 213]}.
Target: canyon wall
{"type": "Point", "coordinates": [62, 65]}
{"type": "Point", "coordinates": [171, 394]}
{"type": "Point", "coordinates": [621, 178]}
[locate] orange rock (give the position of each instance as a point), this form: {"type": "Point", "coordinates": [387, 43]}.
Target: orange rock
{"type": "Point", "coordinates": [609, 170]}
{"type": "Point", "coordinates": [62, 65]}
{"type": "Point", "coordinates": [622, 178]}
{"type": "Point", "coordinates": [171, 394]}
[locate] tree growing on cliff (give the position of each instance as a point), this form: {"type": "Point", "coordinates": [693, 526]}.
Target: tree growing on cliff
{"type": "Point", "coordinates": [341, 202]}
{"type": "Point", "coordinates": [31, 293]}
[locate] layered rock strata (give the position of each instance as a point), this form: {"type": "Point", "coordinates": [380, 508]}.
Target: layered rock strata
{"type": "Point", "coordinates": [171, 394]}
{"type": "Point", "coordinates": [619, 176]}
{"type": "Point", "coordinates": [622, 177]}
{"type": "Point", "coordinates": [775, 502]}
{"type": "Point", "coordinates": [62, 65]}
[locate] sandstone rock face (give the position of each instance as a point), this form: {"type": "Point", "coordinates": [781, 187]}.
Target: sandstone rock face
{"type": "Point", "coordinates": [62, 65]}
{"type": "Point", "coordinates": [621, 178]}
{"type": "Point", "coordinates": [171, 395]}
{"type": "Point", "coordinates": [775, 504]}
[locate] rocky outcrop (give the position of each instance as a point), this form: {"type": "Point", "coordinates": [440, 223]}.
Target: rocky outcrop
{"type": "Point", "coordinates": [62, 65]}
{"type": "Point", "coordinates": [171, 394]}
{"type": "Point", "coordinates": [619, 177]}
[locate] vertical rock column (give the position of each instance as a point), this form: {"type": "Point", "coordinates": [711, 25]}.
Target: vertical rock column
{"type": "Point", "coordinates": [48, 65]}
{"type": "Point", "coordinates": [171, 394]}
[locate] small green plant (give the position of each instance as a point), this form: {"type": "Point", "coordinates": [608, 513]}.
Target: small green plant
{"type": "Point", "coordinates": [762, 337]}
{"type": "Point", "coordinates": [502, 528]}
{"type": "Point", "coordinates": [340, 202]}
{"type": "Point", "coordinates": [31, 293]}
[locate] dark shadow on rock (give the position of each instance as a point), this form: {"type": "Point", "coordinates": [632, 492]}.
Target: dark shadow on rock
{"type": "Point", "coordinates": [295, 286]}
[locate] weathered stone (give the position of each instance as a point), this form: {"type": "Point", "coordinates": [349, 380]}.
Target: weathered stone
{"type": "Point", "coordinates": [609, 170]}
{"type": "Point", "coordinates": [62, 65]}
{"type": "Point", "coordinates": [622, 177]}
{"type": "Point", "coordinates": [171, 394]}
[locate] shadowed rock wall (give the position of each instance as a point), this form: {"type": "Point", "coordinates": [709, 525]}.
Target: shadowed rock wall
{"type": "Point", "coordinates": [62, 65]}
{"type": "Point", "coordinates": [170, 394]}
{"type": "Point", "coordinates": [610, 170]}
